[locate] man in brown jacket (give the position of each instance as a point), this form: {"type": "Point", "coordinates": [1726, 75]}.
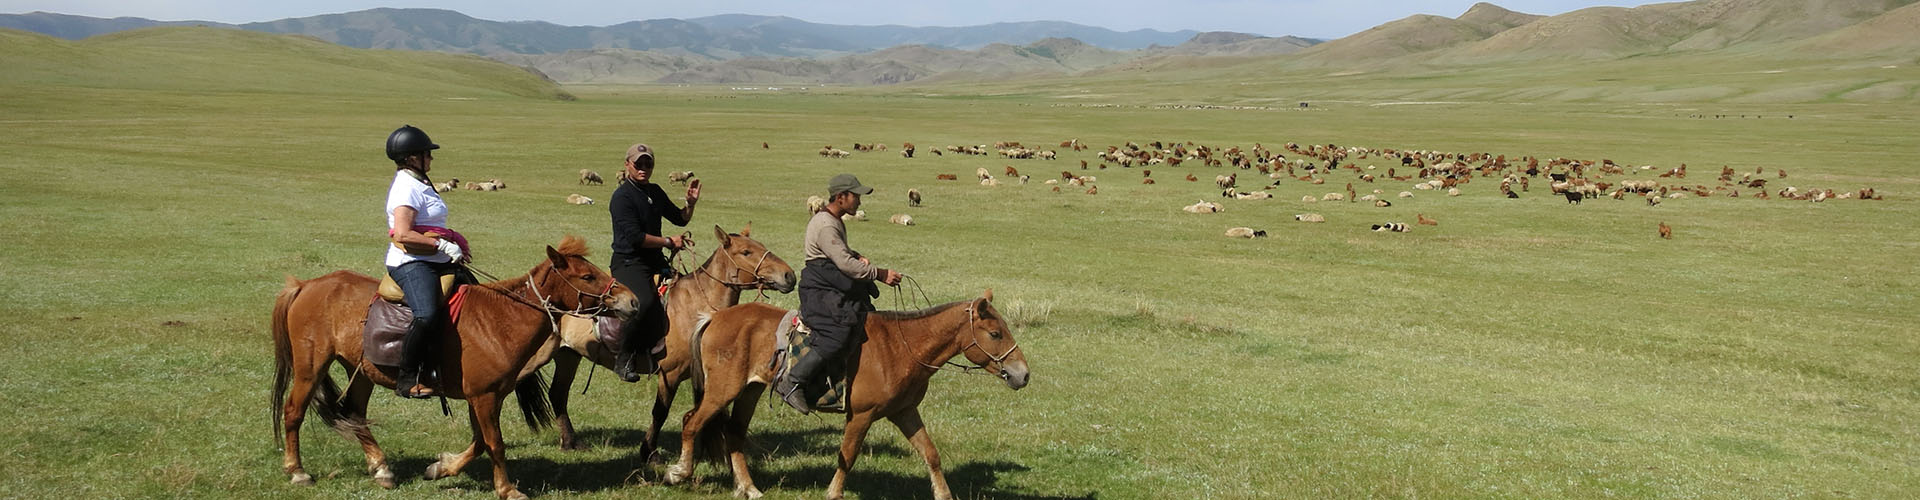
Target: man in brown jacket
{"type": "Point", "coordinates": [836, 292]}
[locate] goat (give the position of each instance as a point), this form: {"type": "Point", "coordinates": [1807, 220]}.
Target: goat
{"type": "Point", "coordinates": [1666, 232]}
{"type": "Point", "coordinates": [946, 177]}
{"type": "Point", "coordinates": [1427, 221]}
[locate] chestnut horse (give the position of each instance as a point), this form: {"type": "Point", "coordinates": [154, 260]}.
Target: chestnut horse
{"type": "Point", "coordinates": [887, 379]}
{"type": "Point", "coordinates": [502, 326]}
{"type": "Point", "coordinates": [741, 263]}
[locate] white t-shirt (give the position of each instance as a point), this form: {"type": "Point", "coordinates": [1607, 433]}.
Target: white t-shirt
{"type": "Point", "coordinates": [428, 210]}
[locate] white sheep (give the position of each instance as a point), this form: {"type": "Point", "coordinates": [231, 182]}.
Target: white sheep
{"type": "Point", "coordinates": [815, 203]}
{"type": "Point", "coordinates": [859, 215]}
{"type": "Point", "coordinates": [1256, 195]}
{"type": "Point", "coordinates": [1333, 197]}
{"type": "Point", "coordinates": [982, 173]}
{"type": "Point", "coordinates": [1369, 198]}
{"type": "Point", "coordinates": [577, 199]}
{"type": "Point", "coordinates": [1245, 232]}
{"type": "Point", "coordinates": [680, 177]}
{"type": "Point", "coordinates": [1308, 199]}
{"type": "Point", "coordinates": [1310, 217]}
{"type": "Point", "coordinates": [1453, 191]}
{"type": "Point", "coordinates": [1406, 194]}
{"type": "Point", "coordinates": [590, 177]}
{"type": "Point", "coordinates": [901, 219]}
{"type": "Point", "coordinates": [1204, 207]}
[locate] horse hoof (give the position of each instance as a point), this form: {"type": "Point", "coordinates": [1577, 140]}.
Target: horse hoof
{"type": "Point", "coordinates": [677, 474]}
{"type": "Point", "coordinates": [513, 495]}
{"type": "Point", "coordinates": [434, 472]}
{"type": "Point", "coordinates": [384, 477]}
{"type": "Point", "coordinates": [749, 493]}
{"type": "Point", "coordinates": [302, 479]}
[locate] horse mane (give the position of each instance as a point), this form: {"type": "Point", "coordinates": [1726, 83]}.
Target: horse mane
{"type": "Point", "coordinates": [572, 245]}
{"type": "Point", "coordinates": [930, 311]}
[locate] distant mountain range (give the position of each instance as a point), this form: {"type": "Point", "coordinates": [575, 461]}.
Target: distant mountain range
{"type": "Point", "coordinates": [747, 49]}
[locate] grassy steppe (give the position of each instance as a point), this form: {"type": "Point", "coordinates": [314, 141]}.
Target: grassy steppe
{"type": "Point", "coordinates": [1523, 348]}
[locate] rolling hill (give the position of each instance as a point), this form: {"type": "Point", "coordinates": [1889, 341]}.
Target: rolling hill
{"type": "Point", "coordinates": [226, 60]}
{"type": "Point", "coordinates": [1700, 25]}
{"type": "Point", "coordinates": [1417, 34]}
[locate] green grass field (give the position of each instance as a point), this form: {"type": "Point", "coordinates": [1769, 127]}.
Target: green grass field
{"type": "Point", "coordinates": [1522, 348]}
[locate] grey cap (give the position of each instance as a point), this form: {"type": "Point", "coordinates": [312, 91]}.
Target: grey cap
{"type": "Point", "coordinates": [844, 183]}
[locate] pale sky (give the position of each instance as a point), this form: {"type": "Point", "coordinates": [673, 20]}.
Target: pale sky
{"type": "Point", "coordinates": [1326, 19]}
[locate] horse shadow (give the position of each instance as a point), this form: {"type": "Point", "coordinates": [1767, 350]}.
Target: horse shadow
{"type": "Point", "coordinates": [972, 479]}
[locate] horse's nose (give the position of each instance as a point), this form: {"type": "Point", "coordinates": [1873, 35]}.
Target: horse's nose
{"type": "Point", "coordinates": [1015, 374]}
{"type": "Point", "coordinates": [786, 282]}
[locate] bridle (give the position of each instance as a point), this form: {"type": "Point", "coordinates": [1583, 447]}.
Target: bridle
{"type": "Point", "coordinates": [972, 316]}
{"type": "Point", "coordinates": [759, 283]}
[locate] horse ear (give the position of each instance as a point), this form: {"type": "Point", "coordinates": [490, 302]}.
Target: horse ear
{"type": "Point", "coordinates": [748, 230]}
{"type": "Point", "coordinates": [559, 261]}
{"type": "Point", "coordinates": [721, 234]}
{"type": "Point", "coordinates": [988, 295]}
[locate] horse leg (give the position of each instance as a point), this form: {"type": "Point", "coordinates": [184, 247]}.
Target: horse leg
{"type": "Point", "coordinates": [736, 436]}
{"type": "Point", "coordinates": [857, 425]}
{"type": "Point", "coordinates": [485, 409]}
{"type": "Point", "coordinates": [356, 406]}
{"type": "Point", "coordinates": [450, 464]}
{"type": "Point", "coordinates": [566, 363]}
{"type": "Point", "coordinates": [916, 432]}
{"type": "Point", "coordinates": [711, 403]}
{"type": "Point", "coordinates": [662, 406]}
{"type": "Point", "coordinates": [300, 393]}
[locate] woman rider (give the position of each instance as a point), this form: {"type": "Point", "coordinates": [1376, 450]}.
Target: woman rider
{"type": "Point", "coordinates": [422, 251]}
{"type": "Point", "coordinates": [637, 208]}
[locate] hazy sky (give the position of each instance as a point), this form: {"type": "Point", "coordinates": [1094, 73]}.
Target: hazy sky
{"type": "Point", "coordinates": [1309, 18]}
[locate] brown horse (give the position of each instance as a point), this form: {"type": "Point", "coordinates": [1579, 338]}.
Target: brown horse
{"type": "Point", "coordinates": [888, 378]}
{"type": "Point", "coordinates": [741, 263]}
{"type": "Point", "coordinates": [501, 328]}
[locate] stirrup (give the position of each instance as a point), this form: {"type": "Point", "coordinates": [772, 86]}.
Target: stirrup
{"type": "Point", "coordinates": [417, 391]}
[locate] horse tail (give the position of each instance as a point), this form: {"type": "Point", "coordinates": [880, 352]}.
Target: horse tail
{"type": "Point", "coordinates": [282, 352]}
{"type": "Point", "coordinates": [696, 365]}
{"type": "Point", "coordinates": [532, 396]}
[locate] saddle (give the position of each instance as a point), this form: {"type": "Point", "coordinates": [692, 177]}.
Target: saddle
{"type": "Point", "coordinates": [791, 339]}
{"type": "Point", "coordinates": [385, 327]}
{"type": "Point", "coordinates": [606, 329]}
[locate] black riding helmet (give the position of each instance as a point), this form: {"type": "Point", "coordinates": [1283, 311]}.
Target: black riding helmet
{"type": "Point", "coordinates": [408, 141]}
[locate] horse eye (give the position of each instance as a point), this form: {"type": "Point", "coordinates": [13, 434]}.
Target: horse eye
{"type": "Point", "coordinates": [588, 277]}
{"type": "Point", "coordinates": [994, 334]}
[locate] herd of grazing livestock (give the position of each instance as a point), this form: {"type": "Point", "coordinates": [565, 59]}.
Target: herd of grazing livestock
{"type": "Point", "coordinates": [1574, 180]}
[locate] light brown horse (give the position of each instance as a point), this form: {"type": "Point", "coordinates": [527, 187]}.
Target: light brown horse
{"type": "Point", "coordinates": [740, 263]}
{"type": "Point", "coordinates": [888, 378]}
{"type": "Point", "coordinates": [502, 326]}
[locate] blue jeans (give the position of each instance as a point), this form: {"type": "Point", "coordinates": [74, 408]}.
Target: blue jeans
{"type": "Point", "coordinates": [420, 281]}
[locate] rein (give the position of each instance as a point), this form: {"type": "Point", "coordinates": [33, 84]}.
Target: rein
{"type": "Point", "coordinates": [972, 315]}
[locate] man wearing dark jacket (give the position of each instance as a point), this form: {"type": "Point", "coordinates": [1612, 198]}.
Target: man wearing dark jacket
{"type": "Point", "coordinates": [836, 292]}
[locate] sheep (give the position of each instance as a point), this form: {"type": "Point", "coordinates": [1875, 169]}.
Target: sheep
{"type": "Point", "coordinates": [859, 215]}
{"type": "Point", "coordinates": [901, 219]}
{"type": "Point", "coordinates": [1053, 182]}
{"type": "Point", "coordinates": [576, 199]}
{"type": "Point", "coordinates": [1382, 203]}
{"type": "Point", "coordinates": [984, 175]}
{"type": "Point", "coordinates": [913, 195]}
{"type": "Point", "coordinates": [1093, 190]}
{"type": "Point", "coordinates": [1666, 232]}
{"type": "Point", "coordinates": [946, 177]}
{"type": "Point", "coordinates": [1392, 227]}
{"type": "Point", "coordinates": [1310, 217]}
{"type": "Point", "coordinates": [497, 184]}
{"type": "Point", "coordinates": [1148, 180]}
{"type": "Point", "coordinates": [1369, 198]}
{"type": "Point", "coordinates": [989, 182]}
{"type": "Point", "coordinates": [1333, 197]}
{"type": "Point", "coordinates": [1025, 178]}
{"type": "Point", "coordinates": [815, 203]}
{"type": "Point", "coordinates": [1454, 191]}
{"type": "Point", "coordinates": [1204, 207]}
{"type": "Point", "coordinates": [1245, 232]}
{"type": "Point", "coordinates": [1224, 181]}
{"type": "Point", "coordinates": [1308, 199]}
{"type": "Point", "coordinates": [590, 177]}
{"type": "Point", "coordinates": [1406, 194]}
{"type": "Point", "coordinates": [680, 177]}
{"type": "Point", "coordinates": [1427, 221]}
{"type": "Point", "coordinates": [1423, 186]}
{"type": "Point", "coordinates": [1256, 195]}
{"type": "Point", "coordinates": [1191, 178]}
{"type": "Point", "coordinates": [451, 184]}
{"type": "Point", "coordinates": [1011, 172]}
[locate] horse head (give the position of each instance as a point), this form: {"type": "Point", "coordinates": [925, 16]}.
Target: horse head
{"type": "Point", "coordinates": [992, 346]}
{"type": "Point", "coordinates": [568, 282]}
{"type": "Point", "coordinates": [747, 263]}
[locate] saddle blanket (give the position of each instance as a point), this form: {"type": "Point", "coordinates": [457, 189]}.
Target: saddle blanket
{"type": "Point", "coordinates": [792, 338]}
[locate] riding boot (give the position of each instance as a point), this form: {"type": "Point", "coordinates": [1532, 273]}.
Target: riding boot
{"type": "Point", "coordinates": [798, 389]}
{"type": "Point", "coordinates": [413, 356]}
